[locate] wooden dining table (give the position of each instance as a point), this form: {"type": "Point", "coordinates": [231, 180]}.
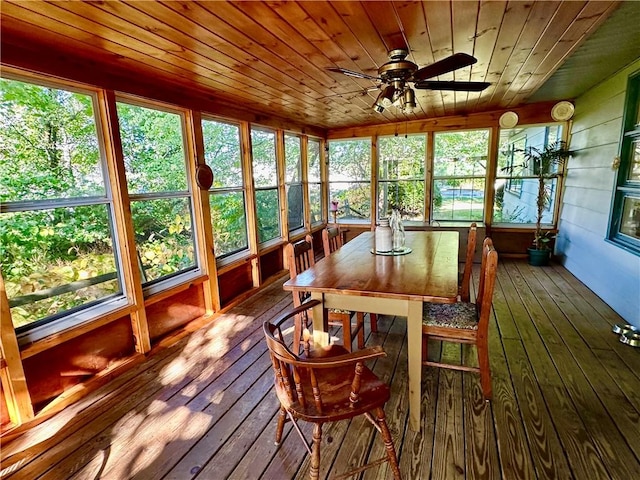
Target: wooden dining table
{"type": "Point", "coordinates": [353, 278]}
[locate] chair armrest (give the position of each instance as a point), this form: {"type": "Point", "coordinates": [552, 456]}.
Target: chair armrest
{"type": "Point", "coordinates": [343, 360]}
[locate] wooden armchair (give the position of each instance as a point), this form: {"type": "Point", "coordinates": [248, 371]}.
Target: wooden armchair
{"type": "Point", "coordinates": [334, 385]}
{"type": "Point", "coordinates": [300, 257]}
{"type": "Point", "coordinates": [332, 241]}
{"type": "Point", "coordinates": [465, 322]}
{"type": "Point", "coordinates": [465, 278]}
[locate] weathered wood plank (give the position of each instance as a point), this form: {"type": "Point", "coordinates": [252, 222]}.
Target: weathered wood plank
{"type": "Point", "coordinates": [514, 449]}
{"type": "Point", "coordinates": [547, 453]}
{"type": "Point", "coordinates": [448, 457]}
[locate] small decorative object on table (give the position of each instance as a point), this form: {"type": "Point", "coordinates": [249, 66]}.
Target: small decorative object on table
{"type": "Point", "coordinates": [383, 237]}
{"type": "Point", "coordinates": [334, 210]}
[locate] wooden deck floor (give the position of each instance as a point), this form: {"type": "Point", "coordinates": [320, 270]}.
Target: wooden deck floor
{"type": "Point", "coordinates": [566, 402]}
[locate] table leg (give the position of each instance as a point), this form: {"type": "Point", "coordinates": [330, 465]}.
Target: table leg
{"type": "Point", "coordinates": [320, 323]}
{"type": "Point", "coordinates": [414, 341]}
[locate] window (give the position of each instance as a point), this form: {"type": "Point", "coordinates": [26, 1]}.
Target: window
{"type": "Point", "coordinates": [161, 207]}
{"type": "Point", "coordinates": [459, 171]}
{"type": "Point", "coordinates": [401, 176]}
{"type": "Point", "coordinates": [516, 186]}
{"type": "Point", "coordinates": [350, 178]}
{"type": "Point", "coordinates": [57, 242]}
{"type": "Point", "coordinates": [265, 178]}
{"type": "Point", "coordinates": [223, 154]}
{"type": "Point", "coordinates": [314, 181]}
{"type": "Point", "coordinates": [293, 182]}
{"type": "Point", "coordinates": [625, 221]}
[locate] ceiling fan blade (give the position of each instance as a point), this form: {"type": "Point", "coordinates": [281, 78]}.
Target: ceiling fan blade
{"type": "Point", "coordinates": [454, 86]}
{"type": "Point", "coordinates": [351, 73]}
{"type": "Point", "coordinates": [446, 65]}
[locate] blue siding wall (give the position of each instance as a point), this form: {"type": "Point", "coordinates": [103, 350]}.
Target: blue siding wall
{"type": "Point", "coordinates": [610, 271]}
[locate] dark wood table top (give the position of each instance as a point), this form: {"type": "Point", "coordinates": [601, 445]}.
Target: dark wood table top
{"type": "Point", "coordinates": [428, 273]}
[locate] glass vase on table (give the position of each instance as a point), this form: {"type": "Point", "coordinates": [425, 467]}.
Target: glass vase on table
{"type": "Point", "coordinates": [397, 231]}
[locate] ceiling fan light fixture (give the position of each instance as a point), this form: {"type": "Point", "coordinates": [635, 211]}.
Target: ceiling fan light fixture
{"type": "Point", "coordinates": [409, 100]}
{"type": "Point", "coordinates": [385, 99]}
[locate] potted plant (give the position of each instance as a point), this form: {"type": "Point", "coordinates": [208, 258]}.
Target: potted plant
{"type": "Point", "coordinates": [545, 164]}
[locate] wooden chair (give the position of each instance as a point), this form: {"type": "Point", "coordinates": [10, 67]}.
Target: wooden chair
{"type": "Point", "coordinates": [326, 388]}
{"type": "Point", "coordinates": [332, 241]}
{"type": "Point", "coordinates": [300, 256]}
{"type": "Point", "coordinates": [465, 277]}
{"type": "Point", "coordinates": [465, 322]}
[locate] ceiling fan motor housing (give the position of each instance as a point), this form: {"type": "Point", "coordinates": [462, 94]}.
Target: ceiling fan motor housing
{"type": "Point", "coordinates": [397, 68]}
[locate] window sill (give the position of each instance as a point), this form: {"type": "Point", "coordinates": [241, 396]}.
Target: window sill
{"type": "Point", "coordinates": [66, 328]}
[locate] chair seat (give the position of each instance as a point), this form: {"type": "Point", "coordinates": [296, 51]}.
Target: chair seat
{"type": "Point", "coordinates": [335, 395]}
{"type": "Point", "coordinates": [451, 315]}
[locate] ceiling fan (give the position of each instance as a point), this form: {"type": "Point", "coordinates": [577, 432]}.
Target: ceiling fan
{"type": "Point", "coordinates": [398, 72]}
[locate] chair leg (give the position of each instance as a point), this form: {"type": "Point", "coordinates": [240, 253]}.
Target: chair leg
{"type": "Point", "coordinates": [360, 326]}
{"type": "Point", "coordinates": [346, 332]}
{"type": "Point", "coordinates": [485, 370]}
{"type": "Point", "coordinates": [388, 442]}
{"type": "Point", "coordinates": [314, 471]}
{"type": "Point", "coordinates": [373, 319]}
{"type": "Point", "coordinates": [282, 418]}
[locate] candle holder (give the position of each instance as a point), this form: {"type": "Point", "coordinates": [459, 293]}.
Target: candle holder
{"type": "Point", "coordinates": [333, 208]}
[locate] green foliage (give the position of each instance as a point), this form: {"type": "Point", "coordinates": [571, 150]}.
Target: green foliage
{"type": "Point", "coordinates": [49, 154]}
{"type": "Point", "coordinates": [267, 207]}
{"type": "Point", "coordinates": [229, 222]}
{"type": "Point", "coordinates": [401, 175]}
{"type": "Point", "coordinates": [48, 144]}
{"type": "Point", "coordinates": [45, 275]}
{"type": "Point", "coordinates": [153, 149]}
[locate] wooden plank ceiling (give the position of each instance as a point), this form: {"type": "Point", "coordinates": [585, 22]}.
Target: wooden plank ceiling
{"type": "Point", "coordinates": [273, 57]}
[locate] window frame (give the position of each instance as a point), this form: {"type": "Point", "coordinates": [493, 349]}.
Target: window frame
{"type": "Point", "coordinates": [484, 178]}
{"type": "Point", "coordinates": [368, 181]}
{"type": "Point", "coordinates": [624, 188]}
{"type": "Point", "coordinates": [167, 282]}
{"type": "Point", "coordinates": [528, 174]}
{"type": "Point", "coordinates": [318, 183]}
{"type": "Point", "coordinates": [277, 188]}
{"type": "Point", "coordinates": [380, 179]}
{"type": "Point", "coordinates": [295, 229]}
{"type": "Point", "coordinates": [82, 314]}
{"type": "Point", "coordinates": [230, 257]}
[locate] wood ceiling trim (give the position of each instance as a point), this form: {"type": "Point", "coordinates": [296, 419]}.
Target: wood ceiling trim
{"type": "Point", "coordinates": [411, 17]}
{"type": "Point", "coordinates": [354, 15]}
{"type": "Point", "coordinates": [231, 42]}
{"type": "Point", "coordinates": [438, 18]}
{"type": "Point", "coordinates": [513, 22]}
{"type": "Point", "coordinates": [528, 115]}
{"type": "Point", "coordinates": [272, 83]}
{"type": "Point", "coordinates": [79, 40]}
{"type": "Point", "coordinates": [464, 22]}
{"type": "Point", "coordinates": [300, 20]}
{"type": "Point", "coordinates": [490, 15]}
{"type": "Point", "coordinates": [525, 47]}
{"type": "Point", "coordinates": [27, 58]}
{"type": "Point", "coordinates": [272, 58]}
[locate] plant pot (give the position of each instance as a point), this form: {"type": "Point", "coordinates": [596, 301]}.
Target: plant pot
{"type": "Point", "coordinates": [538, 258]}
